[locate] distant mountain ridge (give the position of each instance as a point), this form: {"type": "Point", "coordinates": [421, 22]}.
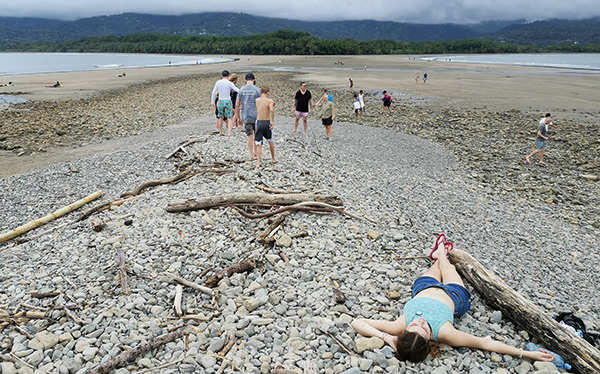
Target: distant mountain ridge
{"type": "Point", "coordinates": [552, 32]}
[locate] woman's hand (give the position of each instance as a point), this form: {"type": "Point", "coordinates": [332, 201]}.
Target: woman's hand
{"type": "Point", "coordinates": [541, 355]}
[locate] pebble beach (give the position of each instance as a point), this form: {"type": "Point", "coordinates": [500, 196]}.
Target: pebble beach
{"type": "Point", "coordinates": [436, 165]}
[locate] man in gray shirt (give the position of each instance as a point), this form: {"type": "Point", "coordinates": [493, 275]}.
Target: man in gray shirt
{"type": "Point", "coordinates": [247, 100]}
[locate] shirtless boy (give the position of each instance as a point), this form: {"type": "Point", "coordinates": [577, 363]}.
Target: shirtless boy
{"type": "Point", "coordinates": [265, 120]}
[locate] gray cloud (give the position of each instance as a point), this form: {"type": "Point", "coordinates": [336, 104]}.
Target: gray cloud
{"type": "Point", "coordinates": [417, 11]}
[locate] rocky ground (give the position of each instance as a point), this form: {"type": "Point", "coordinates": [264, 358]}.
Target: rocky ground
{"type": "Point", "coordinates": [463, 174]}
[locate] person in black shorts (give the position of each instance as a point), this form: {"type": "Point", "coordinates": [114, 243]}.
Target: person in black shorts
{"type": "Point", "coordinates": [265, 120]}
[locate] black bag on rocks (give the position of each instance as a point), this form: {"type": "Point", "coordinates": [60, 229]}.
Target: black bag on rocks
{"type": "Point", "coordinates": [577, 323]}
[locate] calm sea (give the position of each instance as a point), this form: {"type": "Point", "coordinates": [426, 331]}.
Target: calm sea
{"type": "Point", "coordinates": [585, 61]}
{"type": "Point", "coordinates": [36, 63]}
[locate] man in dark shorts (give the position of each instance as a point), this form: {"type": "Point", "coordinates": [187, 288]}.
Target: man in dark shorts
{"type": "Point", "coordinates": [302, 101]}
{"type": "Point", "coordinates": [247, 99]}
{"type": "Point", "coordinates": [265, 120]}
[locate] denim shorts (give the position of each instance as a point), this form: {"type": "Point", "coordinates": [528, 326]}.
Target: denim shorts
{"type": "Point", "coordinates": [460, 296]}
{"type": "Point", "coordinates": [541, 143]}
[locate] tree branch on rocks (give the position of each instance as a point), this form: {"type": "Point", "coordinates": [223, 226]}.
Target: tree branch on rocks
{"type": "Point", "coordinates": [123, 272]}
{"type": "Point", "coordinates": [52, 216]}
{"type": "Point", "coordinates": [271, 190]}
{"type": "Point", "coordinates": [181, 145]}
{"type": "Point", "coordinates": [228, 347]}
{"type": "Point", "coordinates": [131, 354]}
{"type": "Point", "coordinates": [237, 268]}
{"type": "Point", "coordinates": [575, 350]}
{"type": "Point", "coordinates": [275, 224]}
{"type": "Point", "coordinates": [249, 199]}
{"type": "Point", "coordinates": [342, 345]}
{"type": "Point", "coordinates": [185, 282]}
{"type": "Point", "coordinates": [177, 301]}
{"type": "Point", "coordinates": [158, 182]}
{"type": "Point", "coordinates": [300, 206]}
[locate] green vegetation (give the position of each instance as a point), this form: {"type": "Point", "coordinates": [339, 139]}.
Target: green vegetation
{"type": "Point", "coordinates": [283, 42]}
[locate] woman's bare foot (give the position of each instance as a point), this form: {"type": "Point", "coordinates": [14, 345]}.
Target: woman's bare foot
{"type": "Point", "coordinates": [274, 161]}
{"type": "Point", "coordinates": [440, 247]}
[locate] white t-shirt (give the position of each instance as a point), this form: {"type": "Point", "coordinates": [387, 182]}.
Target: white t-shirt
{"type": "Point", "coordinates": [361, 100]}
{"type": "Point", "coordinates": [223, 87]}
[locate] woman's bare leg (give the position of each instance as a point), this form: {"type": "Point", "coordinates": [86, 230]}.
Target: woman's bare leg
{"type": "Point", "coordinates": [447, 270]}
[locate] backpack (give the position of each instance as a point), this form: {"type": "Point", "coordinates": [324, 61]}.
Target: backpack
{"type": "Point", "coordinates": [577, 323]}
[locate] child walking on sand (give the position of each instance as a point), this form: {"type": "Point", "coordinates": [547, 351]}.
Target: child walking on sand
{"type": "Point", "coordinates": [265, 120]}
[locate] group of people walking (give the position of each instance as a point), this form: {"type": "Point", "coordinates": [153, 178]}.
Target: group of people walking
{"type": "Point", "coordinates": [251, 108]}
{"type": "Point", "coordinates": [257, 115]}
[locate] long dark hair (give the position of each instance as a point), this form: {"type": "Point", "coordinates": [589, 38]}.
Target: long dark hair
{"type": "Point", "coordinates": [412, 347]}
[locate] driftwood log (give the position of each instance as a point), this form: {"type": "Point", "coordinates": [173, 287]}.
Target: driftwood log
{"type": "Point", "coordinates": [237, 268]}
{"type": "Point", "coordinates": [52, 216]}
{"type": "Point", "coordinates": [129, 355]}
{"type": "Point", "coordinates": [158, 182]}
{"type": "Point", "coordinates": [123, 272]}
{"type": "Point", "coordinates": [248, 199]}
{"type": "Point", "coordinates": [185, 282]}
{"type": "Point", "coordinates": [580, 354]}
{"type": "Point", "coordinates": [262, 238]}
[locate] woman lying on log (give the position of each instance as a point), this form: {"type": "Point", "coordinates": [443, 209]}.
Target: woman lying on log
{"type": "Point", "coordinates": [437, 297]}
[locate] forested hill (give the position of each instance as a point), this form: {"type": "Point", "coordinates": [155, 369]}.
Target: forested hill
{"type": "Point", "coordinates": [544, 33]}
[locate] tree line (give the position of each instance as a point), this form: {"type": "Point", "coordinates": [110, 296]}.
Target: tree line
{"type": "Point", "coordinates": [283, 42]}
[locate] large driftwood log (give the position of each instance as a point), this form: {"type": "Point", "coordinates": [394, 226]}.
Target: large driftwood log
{"type": "Point", "coordinates": [129, 355]}
{"type": "Point", "coordinates": [576, 351]}
{"type": "Point", "coordinates": [250, 199]}
{"type": "Point", "coordinates": [54, 215]}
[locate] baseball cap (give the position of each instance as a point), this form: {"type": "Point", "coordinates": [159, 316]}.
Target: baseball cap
{"type": "Point", "coordinates": [250, 77]}
{"type": "Point", "coordinates": [225, 73]}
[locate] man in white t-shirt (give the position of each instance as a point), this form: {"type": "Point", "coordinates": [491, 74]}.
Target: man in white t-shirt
{"type": "Point", "coordinates": [224, 106]}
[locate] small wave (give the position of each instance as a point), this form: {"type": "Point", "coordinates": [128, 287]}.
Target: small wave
{"type": "Point", "coordinates": [109, 66]}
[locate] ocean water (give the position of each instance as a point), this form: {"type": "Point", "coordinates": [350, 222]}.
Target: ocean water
{"type": "Point", "coordinates": [582, 61]}
{"type": "Point", "coordinates": [37, 63]}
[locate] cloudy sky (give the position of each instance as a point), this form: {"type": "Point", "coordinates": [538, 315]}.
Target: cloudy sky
{"type": "Point", "coordinates": [417, 11]}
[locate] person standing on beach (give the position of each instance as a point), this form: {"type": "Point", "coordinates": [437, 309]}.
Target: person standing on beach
{"type": "Point", "coordinates": [424, 77]}
{"type": "Point", "coordinates": [417, 78]}
{"type": "Point", "coordinates": [361, 98]}
{"type": "Point", "coordinates": [387, 103]}
{"type": "Point", "coordinates": [233, 79]}
{"type": "Point", "coordinates": [247, 100]}
{"type": "Point", "coordinates": [542, 138]}
{"type": "Point", "coordinates": [302, 101]}
{"type": "Point", "coordinates": [356, 106]}
{"type": "Point", "coordinates": [265, 120]}
{"type": "Point", "coordinates": [224, 105]}
{"type": "Point", "coordinates": [327, 115]}
{"type": "Point", "coordinates": [351, 83]}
